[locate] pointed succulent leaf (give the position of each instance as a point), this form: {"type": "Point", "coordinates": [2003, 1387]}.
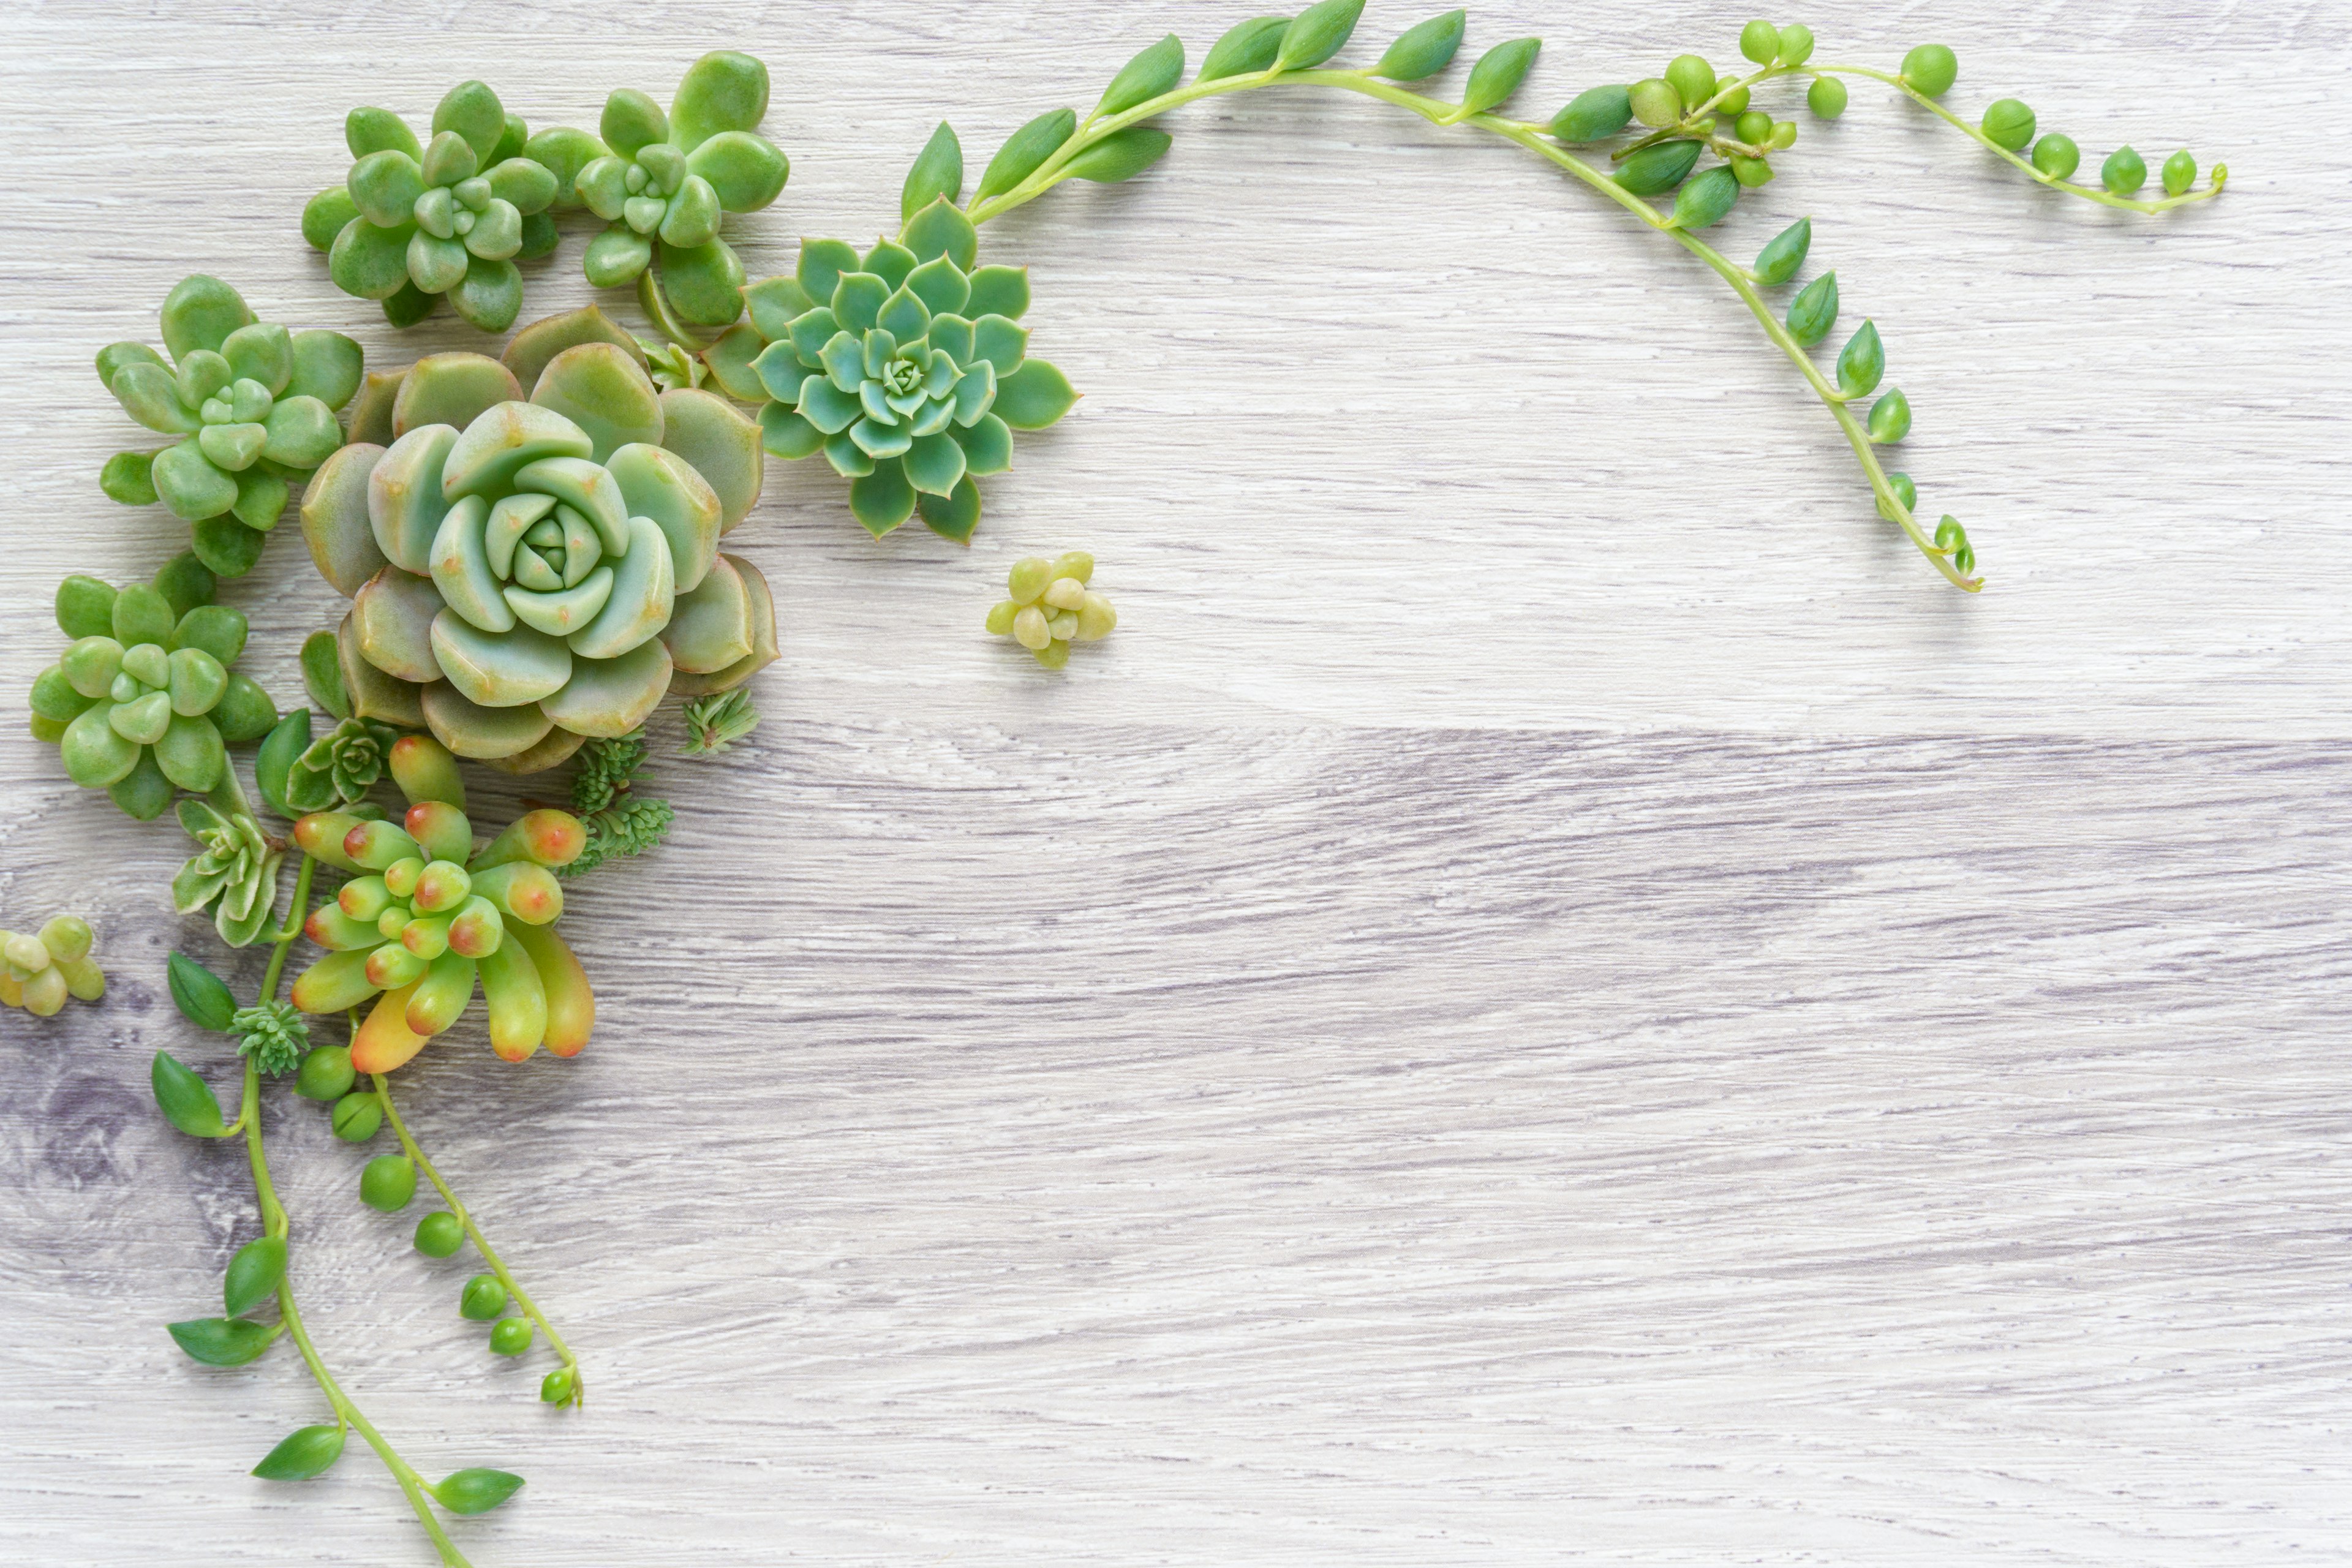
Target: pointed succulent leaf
{"type": "Point", "coordinates": [778, 371]}
{"type": "Point", "coordinates": [951, 335]}
{"type": "Point", "coordinates": [1497, 75]}
{"type": "Point", "coordinates": [905, 316]}
{"type": "Point", "coordinates": [845, 360]}
{"type": "Point", "coordinates": [1034, 396]}
{"type": "Point", "coordinates": [889, 261]}
{"type": "Point", "coordinates": [937, 175]}
{"type": "Point", "coordinates": [722, 91]}
{"type": "Point", "coordinates": [1148, 75]}
{"type": "Point", "coordinates": [882, 500]}
{"type": "Point", "coordinates": [1022, 154]}
{"type": "Point", "coordinates": [369, 129]}
{"type": "Point", "coordinates": [1000, 342]}
{"type": "Point", "coordinates": [880, 441]}
{"type": "Point", "coordinates": [935, 464]}
{"type": "Point", "coordinates": [987, 445]}
{"type": "Point", "coordinates": [823, 263]}
{"type": "Point", "coordinates": [1319, 32]}
{"type": "Point", "coordinates": [786, 433]}
{"type": "Point", "coordinates": [1246, 47]}
{"type": "Point", "coordinates": [999, 291]}
{"type": "Point", "coordinates": [849, 459]}
{"type": "Point", "coordinates": [952, 516]}
{"type": "Point", "coordinates": [774, 303]}
{"type": "Point", "coordinates": [1425, 51]}
{"type": "Point", "coordinates": [473, 113]}
{"type": "Point", "coordinates": [975, 392]}
{"type": "Point", "coordinates": [1121, 155]}
{"type": "Point", "coordinates": [940, 285]}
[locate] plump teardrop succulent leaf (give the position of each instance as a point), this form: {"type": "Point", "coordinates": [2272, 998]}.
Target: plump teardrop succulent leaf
{"type": "Point", "coordinates": [1245, 48]}
{"type": "Point", "coordinates": [1319, 32]}
{"type": "Point", "coordinates": [936, 174]}
{"type": "Point", "coordinates": [476, 1490]}
{"type": "Point", "coordinates": [1425, 51]}
{"type": "Point", "coordinates": [222, 1342]}
{"type": "Point", "coordinates": [1148, 75]}
{"type": "Point", "coordinates": [1497, 75]}
{"type": "Point", "coordinates": [302, 1454]}
{"type": "Point", "coordinates": [186, 1100]}
{"type": "Point", "coordinates": [200, 312]}
{"type": "Point", "coordinates": [704, 282]}
{"type": "Point", "coordinates": [1121, 155]}
{"type": "Point", "coordinates": [1024, 151]}
{"type": "Point", "coordinates": [722, 91]}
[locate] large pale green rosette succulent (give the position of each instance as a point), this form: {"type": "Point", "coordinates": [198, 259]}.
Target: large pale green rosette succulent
{"type": "Point", "coordinates": [144, 703]}
{"type": "Point", "coordinates": [253, 404]}
{"type": "Point", "coordinates": [415, 221]}
{"type": "Point", "coordinates": [661, 182]}
{"type": "Point", "coordinates": [908, 367]}
{"type": "Point", "coordinates": [527, 574]}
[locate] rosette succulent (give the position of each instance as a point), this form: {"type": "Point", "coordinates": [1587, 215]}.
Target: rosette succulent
{"type": "Point", "coordinates": [38, 972]}
{"type": "Point", "coordinates": [254, 405]}
{"type": "Point", "coordinates": [662, 181]}
{"type": "Point", "coordinates": [299, 773]}
{"type": "Point", "coordinates": [233, 876]}
{"type": "Point", "coordinates": [527, 574]}
{"type": "Point", "coordinates": [412, 222]}
{"type": "Point", "coordinates": [908, 367]}
{"type": "Point", "coordinates": [426, 916]}
{"type": "Point", "coordinates": [144, 701]}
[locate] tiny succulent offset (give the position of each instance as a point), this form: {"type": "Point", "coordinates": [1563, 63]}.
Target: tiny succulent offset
{"type": "Point", "coordinates": [415, 221]}
{"type": "Point", "coordinates": [1050, 605]}
{"type": "Point", "coordinates": [144, 702]}
{"type": "Point", "coordinates": [253, 404]}
{"type": "Point", "coordinates": [530, 543]}
{"type": "Point", "coordinates": [907, 366]}
{"type": "Point", "coordinates": [38, 972]}
{"type": "Point", "coordinates": [529, 574]}
{"type": "Point", "coordinates": [662, 183]}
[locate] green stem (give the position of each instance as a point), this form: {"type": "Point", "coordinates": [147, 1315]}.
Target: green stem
{"type": "Point", "coordinates": [481, 1243]}
{"type": "Point", "coordinates": [2106, 198]}
{"type": "Point", "coordinates": [275, 1222]}
{"type": "Point", "coordinates": [1536, 139]}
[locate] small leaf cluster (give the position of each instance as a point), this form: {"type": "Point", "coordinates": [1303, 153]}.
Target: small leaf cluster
{"type": "Point", "coordinates": [38, 972]}
{"type": "Point", "coordinates": [1049, 605]}
{"type": "Point", "coordinates": [619, 822]}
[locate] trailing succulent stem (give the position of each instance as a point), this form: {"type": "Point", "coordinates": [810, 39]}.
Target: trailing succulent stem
{"type": "Point", "coordinates": [1677, 117]}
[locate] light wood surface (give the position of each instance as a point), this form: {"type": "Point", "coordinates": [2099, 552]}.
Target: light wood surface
{"type": "Point", "coordinates": [1552, 996]}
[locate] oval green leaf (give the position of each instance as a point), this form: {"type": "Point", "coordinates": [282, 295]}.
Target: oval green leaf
{"type": "Point", "coordinates": [312, 1451]}
{"type": "Point", "coordinates": [254, 1275]}
{"type": "Point", "coordinates": [1425, 50]}
{"type": "Point", "coordinates": [222, 1342]}
{"type": "Point", "coordinates": [203, 998]}
{"type": "Point", "coordinates": [476, 1490]}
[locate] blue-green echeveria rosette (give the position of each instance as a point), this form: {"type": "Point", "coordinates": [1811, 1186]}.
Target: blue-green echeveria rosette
{"type": "Point", "coordinates": [144, 702]}
{"type": "Point", "coordinates": [662, 182]}
{"type": "Point", "coordinates": [254, 408]}
{"type": "Point", "coordinates": [414, 222]}
{"type": "Point", "coordinates": [908, 367]}
{"type": "Point", "coordinates": [529, 574]}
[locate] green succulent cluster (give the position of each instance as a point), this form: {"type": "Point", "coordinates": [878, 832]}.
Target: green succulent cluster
{"type": "Point", "coordinates": [414, 222]}
{"type": "Point", "coordinates": [527, 574]}
{"type": "Point", "coordinates": [233, 875]}
{"type": "Point", "coordinates": [300, 773]}
{"type": "Point", "coordinates": [1049, 605]}
{"type": "Point", "coordinates": [907, 366]}
{"type": "Point", "coordinates": [39, 973]}
{"type": "Point", "coordinates": [253, 404]}
{"type": "Point", "coordinates": [144, 702]}
{"type": "Point", "coordinates": [662, 182]}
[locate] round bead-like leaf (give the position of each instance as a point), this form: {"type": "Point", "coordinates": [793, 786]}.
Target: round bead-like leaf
{"type": "Point", "coordinates": [704, 282]}
{"type": "Point", "coordinates": [474, 112]}
{"type": "Point", "coordinates": [200, 313]}
{"type": "Point", "coordinates": [722, 91]}
{"type": "Point", "coordinates": [745, 173]}
{"type": "Point", "coordinates": [632, 121]}
{"type": "Point", "coordinates": [369, 262]}
{"type": "Point", "coordinates": [489, 297]}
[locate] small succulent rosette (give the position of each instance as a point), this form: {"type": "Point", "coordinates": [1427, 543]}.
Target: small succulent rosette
{"type": "Point", "coordinates": [414, 222]}
{"type": "Point", "coordinates": [233, 875]}
{"type": "Point", "coordinates": [39, 973]}
{"type": "Point", "coordinates": [908, 367]}
{"type": "Point", "coordinates": [426, 916]}
{"type": "Point", "coordinates": [526, 576]}
{"type": "Point", "coordinates": [144, 703]}
{"type": "Point", "coordinates": [662, 182]}
{"type": "Point", "coordinates": [1051, 604]}
{"type": "Point", "coordinates": [253, 404]}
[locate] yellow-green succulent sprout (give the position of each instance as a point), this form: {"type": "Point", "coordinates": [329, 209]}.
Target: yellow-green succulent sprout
{"type": "Point", "coordinates": [662, 182]}
{"type": "Point", "coordinates": [143, 703]}
{"type": "Point", "coordinates": [1052, 606]}
{"type": "Point", "coordinates": [527, 574]}
{"type": "Point", "coordinates": [412, 222]}
{"type": "Point", "coordinates": [253, 404]}
{"type": "Point", "coordinates": [907, 367]}
{"type": "Point", "coordinates": [38, 972]}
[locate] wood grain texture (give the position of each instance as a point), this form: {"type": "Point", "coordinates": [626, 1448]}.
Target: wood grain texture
{"type": "Point", "coordinates": [1550, 997]}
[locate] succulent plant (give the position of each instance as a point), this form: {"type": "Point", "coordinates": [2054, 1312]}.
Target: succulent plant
{"type": "Point", "coordinates": [38, 972]}
{"type": "Point", "coordinates": [713, 724]}
{"type": "Point", "coordinates": [412, 222]}
{"type": "Point", "coordinates": [275, 1032]}
{"type": "Point", "coordinates": [662, 181]}
{"type": "Point", "coordinates": [233, 876]}
{"type": "Point", "coordinates": [254, 406]}
{"type": "Point", "coordinates": [526, 576]}
{"type": "Point", "coordinates": [426, 915]}
{"type": "Point", "coordinates": [1051, 608]}
{"type": "Point", "coordinates": [144, 701]}
{"type": "Point", "coordinates": [907, 367]}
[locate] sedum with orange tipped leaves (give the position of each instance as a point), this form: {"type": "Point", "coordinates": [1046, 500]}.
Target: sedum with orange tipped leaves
{"type": "Point", "coordinates": [425, 916]}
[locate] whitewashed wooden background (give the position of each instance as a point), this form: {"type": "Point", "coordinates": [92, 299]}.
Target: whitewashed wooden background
{"type": "Point", "coordinates": [1552, 996]}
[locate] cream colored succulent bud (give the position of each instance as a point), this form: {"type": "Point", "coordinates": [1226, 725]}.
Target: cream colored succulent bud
{"type": "Point", "coordinates": [1030, 628]}
{"type": "Point", "coordinates": [1063, 626]}
{"type": "Point", "coordinates": [1066, 594]}
{"type": "Point", "coordinates": [1095, 620]}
